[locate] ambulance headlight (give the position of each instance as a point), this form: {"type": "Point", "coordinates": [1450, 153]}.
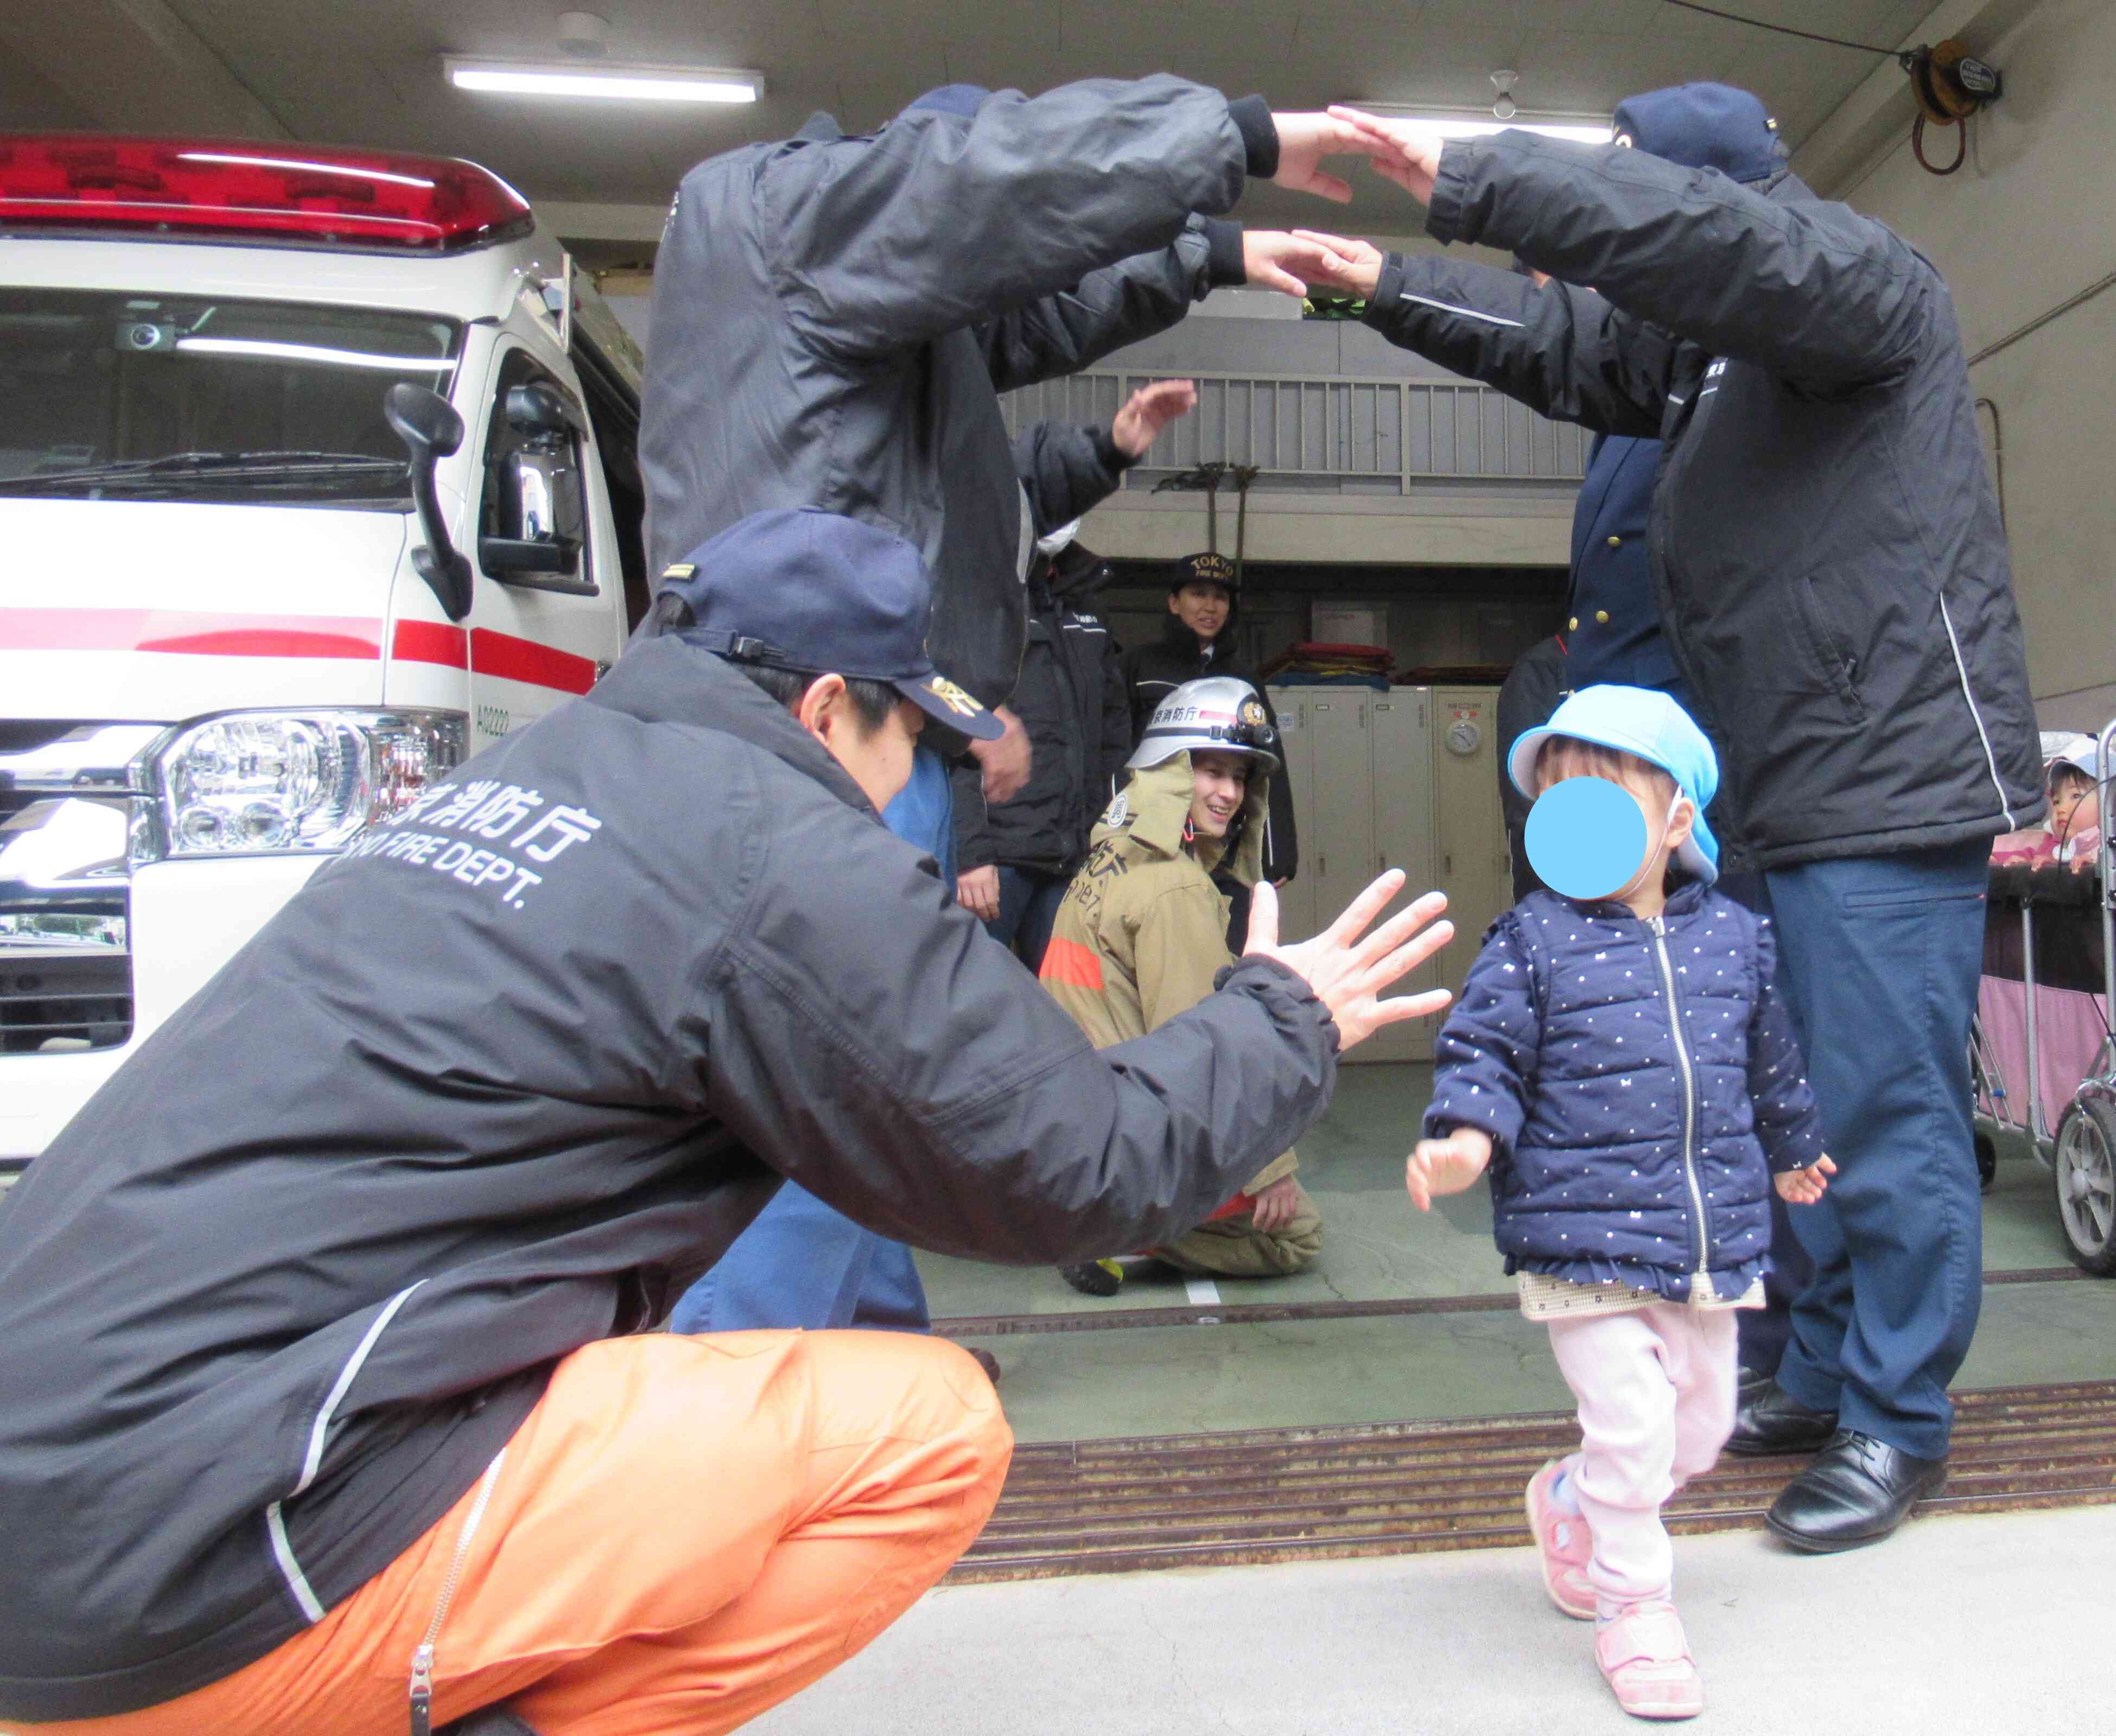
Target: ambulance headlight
{"type": "Point", "coordinates": [261, 782]}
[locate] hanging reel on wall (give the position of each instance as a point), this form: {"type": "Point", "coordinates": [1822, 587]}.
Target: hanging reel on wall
{"type": "Point", "coordinates": [1950, 85]}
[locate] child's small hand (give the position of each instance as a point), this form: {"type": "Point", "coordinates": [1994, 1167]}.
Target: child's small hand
{"type": "Point", "coordinates": [1445, 1165]}
{"type": "Point", "coordinates": [1805, 1187]}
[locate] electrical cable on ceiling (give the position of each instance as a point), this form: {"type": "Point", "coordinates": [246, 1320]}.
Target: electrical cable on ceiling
{"type": "Point", "coordinates": [1783, 29]}
{"type": "Point", "coordinates": [1948, 82]}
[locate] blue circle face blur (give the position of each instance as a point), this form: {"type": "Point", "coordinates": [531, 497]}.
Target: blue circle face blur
{"type": "Point", "coordinates": [1586, 838]}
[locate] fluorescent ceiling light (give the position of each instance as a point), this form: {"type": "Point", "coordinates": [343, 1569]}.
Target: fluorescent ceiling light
{"type": "Point", "coordinates": [272, 351]}
{"type": "Point", "coordinates": [1476, 123]}
{"type": "Point", "coordinates": [607, 81]}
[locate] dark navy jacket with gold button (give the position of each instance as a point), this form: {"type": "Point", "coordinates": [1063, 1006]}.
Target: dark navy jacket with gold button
{"type": "Point", "coordinates": [1613, 625]}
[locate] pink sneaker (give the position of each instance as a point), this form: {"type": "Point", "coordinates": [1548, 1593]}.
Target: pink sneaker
{"type": "Point", "coordinates": [1564, 1542]}
{"type": "Point", "coordinates": [1646, 1661]}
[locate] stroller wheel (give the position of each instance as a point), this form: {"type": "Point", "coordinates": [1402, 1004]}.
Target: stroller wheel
{"type": "Point", "coordinates": [1987, 1162]}
{"type": "Point", "coordinates": [2084, 1169]}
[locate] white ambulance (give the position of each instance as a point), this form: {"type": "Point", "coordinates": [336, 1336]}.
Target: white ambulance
{"type": "Point", "coordinates": [318, 472]}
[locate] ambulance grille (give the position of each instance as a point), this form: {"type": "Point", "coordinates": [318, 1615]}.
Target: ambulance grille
{"type": "Point", "coordinates": [65, 969]}
{"type": "Point", "coordinates": [56, 1000]}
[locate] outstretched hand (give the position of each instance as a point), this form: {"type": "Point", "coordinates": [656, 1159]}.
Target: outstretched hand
{"type": "Point", "coordinates": [1402, 151]}
{"type": "Point", "coordinates": [1148, 411]}
{"type": "Point", "coordinates": [1445, 1165]}
{"type": "Point", "coordinates": [1304, 140]}
{"type": "Point", "coordinates": [1346, 972]}
{"type": "Point", "coordinates": [1805, 1187]}
{"type": "Point", "coordinates": [1288, 262]}
{"type": "Point", "coordinates": [1354, 267]}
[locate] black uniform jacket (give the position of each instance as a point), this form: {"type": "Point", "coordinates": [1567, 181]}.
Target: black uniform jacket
{"type": "Point", "coordinates": [492, 1086]}
{"type": "Point", "coordinates": [1071, 699]}
{"type": "Point", "coordinates": [835, 317]}
{"type": "Point", "coordinates": [1828, 561]}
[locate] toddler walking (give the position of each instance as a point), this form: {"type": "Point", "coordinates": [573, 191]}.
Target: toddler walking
{"type": "Point", "coordinates": [1620, 1061]}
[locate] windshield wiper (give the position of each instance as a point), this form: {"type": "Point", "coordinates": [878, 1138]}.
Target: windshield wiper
{"type": "Point", "coordinates": [249, 466]}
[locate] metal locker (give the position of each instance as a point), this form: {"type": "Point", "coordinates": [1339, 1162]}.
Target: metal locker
{"type": "Point", "coordinates": [1400, 733]}
{"type": "Point", "coordinates": [1469, 829]}
{"type": "Point", "coordinates": [1296, 751]}
{"type": "Point", "coordinates": [1341, 858]}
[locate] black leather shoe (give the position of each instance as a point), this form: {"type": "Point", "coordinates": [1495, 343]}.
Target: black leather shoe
{"type": "Point", "coordinates": [1768, 1419]}
{"type": "Point", "coordinates": [986, 1361]}
{"type": "Point", "coordinates": [1857, 1491]}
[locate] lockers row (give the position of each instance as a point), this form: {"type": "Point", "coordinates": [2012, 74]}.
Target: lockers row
{"type": "Point", "coordinates": [1408, 780]}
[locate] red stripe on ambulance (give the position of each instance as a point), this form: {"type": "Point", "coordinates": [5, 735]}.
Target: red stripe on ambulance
{"type": "Point", "coordinates": [432, 641]}
{"type": "Point", "coordinates": [351, 637]}
{"type": "Point", "coordinates": [506, 657]}
{"type": "Point", "coordinates": [189, 632]}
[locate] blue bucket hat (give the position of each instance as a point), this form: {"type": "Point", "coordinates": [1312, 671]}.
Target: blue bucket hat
{"type": "Point", "coordinates": [1637, 720]}
{"type": "Point", "coordinates": [817, 593]}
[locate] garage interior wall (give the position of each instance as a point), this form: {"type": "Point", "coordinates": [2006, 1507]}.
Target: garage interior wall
{"type": "Point", "coordinates": [1432, 617]}
{"type": "Point", "coordinates": [1456, 523]}
{"type": "Point", "coordinates": [2022, 229]}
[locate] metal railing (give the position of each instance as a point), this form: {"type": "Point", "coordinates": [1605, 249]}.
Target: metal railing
{"type": "Point", "coordinates": [1313, 428]}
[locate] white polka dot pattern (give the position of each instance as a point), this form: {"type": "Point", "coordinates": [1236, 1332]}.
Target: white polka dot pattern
{"type": "Point", "coordinates": [1589, 1123]}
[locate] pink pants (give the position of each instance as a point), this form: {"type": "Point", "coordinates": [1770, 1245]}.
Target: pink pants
{"type": "Point", "coordinates": [1656, 1393]}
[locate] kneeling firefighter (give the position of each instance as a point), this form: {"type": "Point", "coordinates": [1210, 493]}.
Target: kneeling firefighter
{"type": "Point", "coordinates": [1142, 935]}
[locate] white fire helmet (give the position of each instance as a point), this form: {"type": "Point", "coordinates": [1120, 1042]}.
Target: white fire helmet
{"type": "Point", "coordinates": [1221, 712]}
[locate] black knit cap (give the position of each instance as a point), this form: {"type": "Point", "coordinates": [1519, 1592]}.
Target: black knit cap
{"type": "Point", "coordinates": [1203, 569]}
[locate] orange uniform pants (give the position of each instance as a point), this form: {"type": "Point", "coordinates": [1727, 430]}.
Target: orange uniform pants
{"type": "Point", "coordinates": [683, 1532]}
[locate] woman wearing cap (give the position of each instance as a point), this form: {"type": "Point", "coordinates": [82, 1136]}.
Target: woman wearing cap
{"type": "Point", "coordinates": [1142, 934]}
{"type": "Point", "coordinates": [1621, 1063]}
{"type": "Point", "coordinates": [1197, 640]}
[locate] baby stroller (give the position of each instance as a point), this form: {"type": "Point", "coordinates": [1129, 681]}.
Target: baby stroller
{"type": "Point", "coordinates": [2042, 1059]}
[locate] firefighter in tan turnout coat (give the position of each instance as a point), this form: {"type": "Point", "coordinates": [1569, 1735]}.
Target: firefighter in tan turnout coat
{"type": "Point", "coordinates": [1142, 934]}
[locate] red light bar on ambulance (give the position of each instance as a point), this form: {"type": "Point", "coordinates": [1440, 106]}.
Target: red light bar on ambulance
{"type": "Point", "coordinates": [230, 188]}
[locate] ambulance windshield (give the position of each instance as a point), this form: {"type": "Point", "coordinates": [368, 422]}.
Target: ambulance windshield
{"type": "Point", "coordinates": [136, 396]}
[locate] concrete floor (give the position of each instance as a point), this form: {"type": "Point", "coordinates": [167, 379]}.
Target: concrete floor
{"type": "Point", "coordinates": [1991, 1623]}
{"type": "Point", "coordinates": [1377, 1244]}
{"type": "Point", "coordinates": [1997, 1624]}
{"type": "Point", "coordinates": [1180, 1379]}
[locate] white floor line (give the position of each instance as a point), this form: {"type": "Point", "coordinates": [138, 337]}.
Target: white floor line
{"type": "Point", "coordinates": [1202, 1291]}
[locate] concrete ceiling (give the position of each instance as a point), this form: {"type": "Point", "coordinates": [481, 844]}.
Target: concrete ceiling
{"type": "Point", "coordinates": [370, 72]}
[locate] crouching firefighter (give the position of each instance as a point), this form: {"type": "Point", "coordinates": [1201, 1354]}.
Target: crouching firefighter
{"type": "Point", "coordinates": [326, 1403]}
{"type": "Point", "coordinates": [1141, 936]}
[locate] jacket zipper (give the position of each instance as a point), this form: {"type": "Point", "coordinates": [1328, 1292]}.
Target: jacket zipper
{"type": "Point", "coordinates": [1689, 1106]}
{"type": "Point", "coordinates": [422, 1655]}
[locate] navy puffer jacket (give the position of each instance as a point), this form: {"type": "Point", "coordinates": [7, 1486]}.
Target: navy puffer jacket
{"type": "Point", "coordinates": [1621, 1151]}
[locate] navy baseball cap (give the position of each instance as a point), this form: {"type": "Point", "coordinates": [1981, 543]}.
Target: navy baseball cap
{"type": "Point", "coordinates": [818, 593]}
{"type": "Point", "coordinates": [1704, 126]}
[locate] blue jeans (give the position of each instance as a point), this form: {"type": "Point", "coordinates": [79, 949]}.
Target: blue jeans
{"type": "Point", "coordinates": [1028, 901]}
{"type": "Point", "coordinates": [1763, 1333]}
{"type": "Point", "coordinates": [802, 1263]}
{"type": "Point", "coordinates": [1881, 955]}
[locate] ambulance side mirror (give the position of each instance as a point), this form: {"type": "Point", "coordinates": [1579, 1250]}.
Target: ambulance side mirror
{"type": "Point", "coordinates": [538, 513]}
{"type": "Point", "coordinates": [430, 430]}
